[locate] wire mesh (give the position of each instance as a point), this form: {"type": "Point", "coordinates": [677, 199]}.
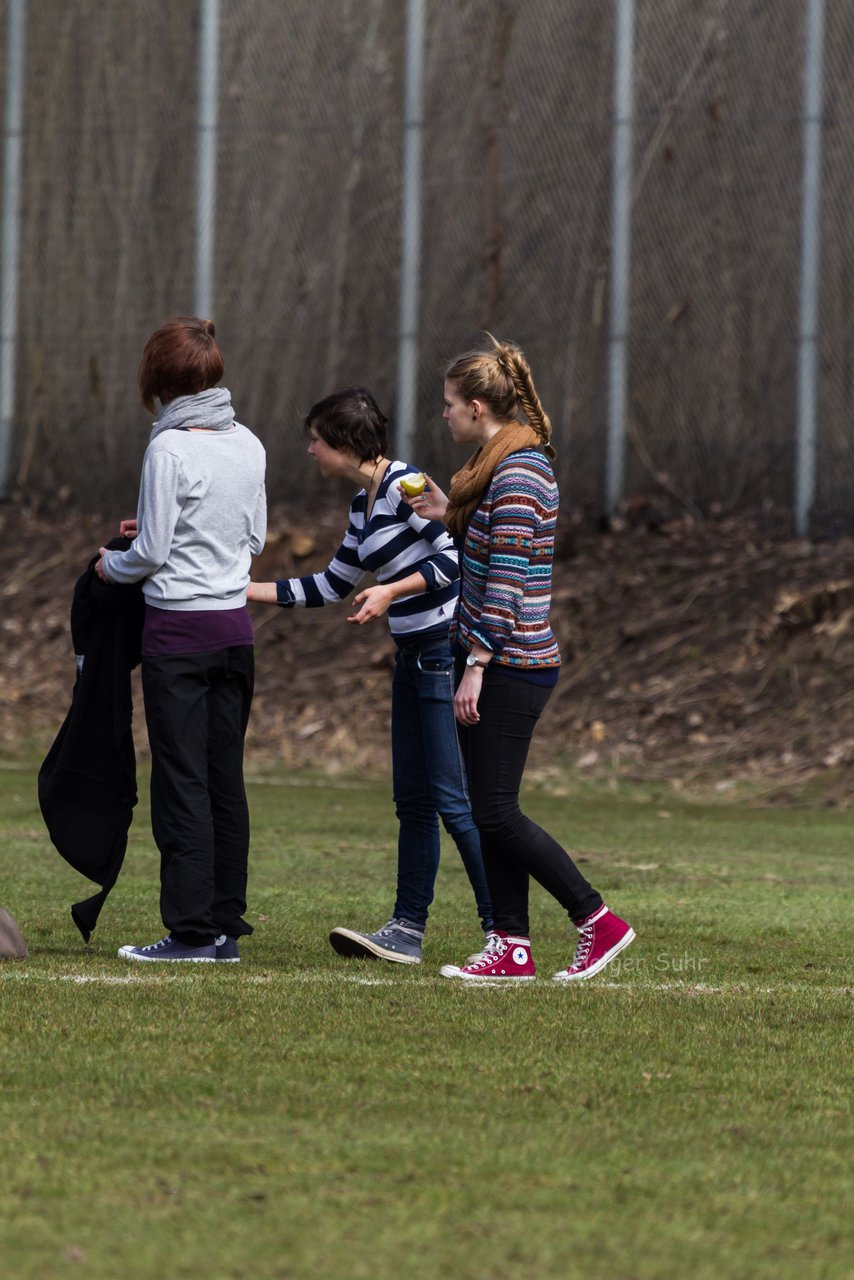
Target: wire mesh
{"type": "Point", "coordinates": [516, 182]}
{"type": "Point", "coordinates": [715, 245]}
{"type": "Point", "coordinates": [832, 512]}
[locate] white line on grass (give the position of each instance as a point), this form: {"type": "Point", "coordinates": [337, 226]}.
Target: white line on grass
{"type": "Point", "coordinates": [331, 978]}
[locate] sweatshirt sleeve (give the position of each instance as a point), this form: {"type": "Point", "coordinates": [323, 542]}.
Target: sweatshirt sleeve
{"type": "Point", "coordinates": [162, 493]}
{"type": "Point", "coordinates": [259, 523]}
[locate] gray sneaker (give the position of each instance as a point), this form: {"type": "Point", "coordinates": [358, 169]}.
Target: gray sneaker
{"type": "Point", "coordinates": [399, 940]}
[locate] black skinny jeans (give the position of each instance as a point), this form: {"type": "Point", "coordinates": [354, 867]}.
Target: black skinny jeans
{"type": "Point", "coordinates": [514, 848]}
{"type": "Point", "coordinates": [197, 708]}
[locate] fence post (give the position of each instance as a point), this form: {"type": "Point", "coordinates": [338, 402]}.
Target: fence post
{"type": "Point", "coordinates": [13, 143]}
{"type": "Point", "coordinates": [808, 331]}
{"type": "Point", "coordinates": [407, 360]}
{"type": "Point", "coordinates": [621, 207]}
{"type": "Point", "coordinates": [206, 158]}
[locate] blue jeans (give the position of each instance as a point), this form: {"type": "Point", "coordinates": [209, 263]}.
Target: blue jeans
{"type": "Point", "coordinates": [429, 782]}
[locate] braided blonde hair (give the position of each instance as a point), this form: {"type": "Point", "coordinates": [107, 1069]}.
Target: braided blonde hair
{"type": "Point", "coordinates": [502, 378]}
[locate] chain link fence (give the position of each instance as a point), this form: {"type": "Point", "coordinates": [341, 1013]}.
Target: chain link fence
{"type": "Point", "coordinates": [517, 144]}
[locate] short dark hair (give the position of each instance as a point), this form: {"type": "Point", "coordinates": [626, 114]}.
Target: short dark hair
{"type": "Point", "coordinates": [180, 358]}
{"type": "Point", "coordinates": [350, 419]}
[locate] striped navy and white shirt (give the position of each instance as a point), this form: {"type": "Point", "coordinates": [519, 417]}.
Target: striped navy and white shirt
{"type": "Point", "coordinates": [394, 543]}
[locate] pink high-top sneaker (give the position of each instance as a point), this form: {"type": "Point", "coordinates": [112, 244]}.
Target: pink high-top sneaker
{"type": "Point", "coordinates": [601, 937]}
{"type": "Point", "coordinates": [506, 959]}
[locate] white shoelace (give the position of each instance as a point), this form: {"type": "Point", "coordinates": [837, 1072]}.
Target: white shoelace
{"type": "Point", "coordinates": [585, 942]}
{"type": "Point", "coordinates": [394, 926]}
{"type": "Point", "coordinates": [489, 948]}
{"type": "Point", "coordinates": [489, 957]}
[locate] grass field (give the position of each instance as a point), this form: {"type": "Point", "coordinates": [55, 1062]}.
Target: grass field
{"type": "Point", "coordinates": [684, 1115]}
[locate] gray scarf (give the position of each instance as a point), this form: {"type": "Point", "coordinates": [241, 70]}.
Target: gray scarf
{"type": "Point", "coordinates": [211, 409]}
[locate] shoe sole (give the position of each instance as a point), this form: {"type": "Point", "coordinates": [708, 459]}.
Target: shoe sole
{"type": "Point", "coordinates": [128, 955]}
{"type": "Point", "coordinates": [221, 946]}
{"type": "Point", "coordinates": [566, 976]}
{"type": "Point", "coordinates": [353, 945]}
{"type": "Point", "coordinates": [453, 971]}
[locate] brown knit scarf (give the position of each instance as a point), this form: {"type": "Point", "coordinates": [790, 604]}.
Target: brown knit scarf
{"type": "Point", "coordinates": [470, 482]}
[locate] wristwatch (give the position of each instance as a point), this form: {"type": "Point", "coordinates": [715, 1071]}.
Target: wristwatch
{"type": "Point", "coordinates": [472, 661]}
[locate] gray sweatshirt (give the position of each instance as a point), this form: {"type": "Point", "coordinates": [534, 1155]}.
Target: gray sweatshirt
{"type": "Point", "coordinates": [202, 515]}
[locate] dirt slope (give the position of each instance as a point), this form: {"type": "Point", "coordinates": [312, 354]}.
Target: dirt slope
{"type": "Point", "coordinates": [691, 651]}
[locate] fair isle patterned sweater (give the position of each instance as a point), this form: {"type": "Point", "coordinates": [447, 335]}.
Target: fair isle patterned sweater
{"type": "Point", "coordinates": [506, 565]}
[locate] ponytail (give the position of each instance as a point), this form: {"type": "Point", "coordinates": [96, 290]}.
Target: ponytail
{"type": "Point", "coordinates": [512, 362]}
{"type": "Point", "coordinates": [501, 378]}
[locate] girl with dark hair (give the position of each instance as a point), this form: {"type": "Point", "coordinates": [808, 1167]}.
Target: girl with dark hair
{"type": "Point", "coordinates": [201, 517]}
{"type": "Point", "coordinates": [415, 563]}
{"type": "Point", "coordinates": [502, 511]}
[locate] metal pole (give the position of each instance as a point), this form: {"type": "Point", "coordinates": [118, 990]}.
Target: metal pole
{"type": "Point", "coordinates": [407, 360]}
{"type": "Point", "coordinates": [13, 144]}
{"type": "Point", "coordinates": [207, 145]}
{"type": "Point", "coordinates": [621, 205]}
{"type": "Point", "coordinates": [808, 332]}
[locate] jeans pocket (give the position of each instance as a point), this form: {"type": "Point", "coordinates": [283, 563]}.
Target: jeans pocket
{"type": "Point", "coordinates": [435, 664]}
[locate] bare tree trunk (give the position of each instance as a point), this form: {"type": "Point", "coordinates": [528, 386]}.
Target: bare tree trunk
{"type": "Point", "coordinates": [728, 252]}
{"type": "Point", "coordinates": [351, 181]}
{"type": "Point", "coordinates": [501, 37]}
